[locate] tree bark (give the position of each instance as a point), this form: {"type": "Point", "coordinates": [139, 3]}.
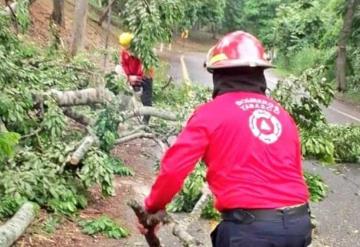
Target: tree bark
{"type": "Point", "coordinates": [78, 117]}
{"type": "Point", "coordinates": [341, 47]}
{"type": "Point", "coordinates": [58, 12]}
{"type": "Point", "coordinates": [179, 228]}
{"type": "Point", "coordinates": [133, 136]}
{"type": "Point", "coordinates": [13, 228]}
{"type": "Point", "coordinates": [9, 10]}
{"type": "Point", "coordinates": [107, 33]}
{"type": "Point", "coordinates": [2, 126]}
{"type": "Point", "coordinates": [82, 97]}
{"type": "Point", "coordinates": [147, 110]}
{"type": "Point", "coordinates": [81, 7]}
{"type": "Point", "coordinates": [83, 148]}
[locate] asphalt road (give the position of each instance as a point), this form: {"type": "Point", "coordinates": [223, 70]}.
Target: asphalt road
{"type": "Point", "coordinates": [338, 215]}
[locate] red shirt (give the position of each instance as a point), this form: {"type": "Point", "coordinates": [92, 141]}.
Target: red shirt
{"type": "Point", "coordinates": [131, 64]}
{"type": "Point", "coordinates": [251, 148]}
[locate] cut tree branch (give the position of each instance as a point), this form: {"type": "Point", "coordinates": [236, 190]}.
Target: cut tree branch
{"type": "Point", "coordinates": [179, 228]}
{"type": "Point", "coordinates": [133, 136]}
{"type": "Point", "coordinates": [9, 9]}
{"type": "Point", "coordinates": [149, 221]}
{"type": "Point", "coordinates": [82, 97]}
{"type": "Point", "coordinates": [3, 126]}
{"type": "Point", "coordinates": [130, 132]}
{"type": "Point", "coordinates": [147, 110]}
{"type": "Point", "coordinates": [14, 228]}
{"type": "Point", "coordinates": [78, 117]}
{"type": "Point", "coordinates": [85, 145]}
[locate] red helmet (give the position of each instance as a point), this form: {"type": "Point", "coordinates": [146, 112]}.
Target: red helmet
{"type": "Point", "coordinates": [237, 49]}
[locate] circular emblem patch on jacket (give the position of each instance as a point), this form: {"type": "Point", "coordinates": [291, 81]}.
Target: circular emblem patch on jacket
{"type": "Point", "coordinates": [265, 126]}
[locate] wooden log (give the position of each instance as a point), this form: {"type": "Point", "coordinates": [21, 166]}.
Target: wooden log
{"type": "Point", "coordinates": [15, 227]}
{"type": "Point", "coordinates": [147, 110]}
{"type": "Point", "coordinates": [78, 117]}
{"type": "Point", "coordinates": [85, 145]}
{"type": "Point", "coordinates": [2, 126]}
{"type": "Point", "coordinates": [8, 10]}
{"type": "Point", "coordinates": [133, 131]}
{"type": "Point", "coordinates": [82, 97]}
{"type": "Point", "coordinates": [133, 137]}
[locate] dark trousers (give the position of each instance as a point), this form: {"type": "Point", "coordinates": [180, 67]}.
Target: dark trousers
{"type": "Point", "coordinates": [146, 96]}
{"type": "Point", "coordinates": [290, 231]}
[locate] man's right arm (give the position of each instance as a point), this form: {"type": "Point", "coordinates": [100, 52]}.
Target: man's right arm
{"type": "Point", "coordinates": [178, 162]}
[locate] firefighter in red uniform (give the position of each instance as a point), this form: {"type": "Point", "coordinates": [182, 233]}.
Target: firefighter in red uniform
{"type": "Point", "coordinates": [251, 147]}
{"type": "Point", "coordinates": [137, 77]}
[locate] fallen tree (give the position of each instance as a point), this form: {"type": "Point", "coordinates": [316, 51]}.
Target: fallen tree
{"type": "Point", "coordinates": [15, 227]}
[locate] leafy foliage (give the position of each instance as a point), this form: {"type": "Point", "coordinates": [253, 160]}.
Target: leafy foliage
{"type": "Point", "coordinates": [298, 24]}
{"type": "Point", "coordinates": [303, 96]}
{"type": "Point", "coordinates": [37, 170]}
{"type": "Point", "coordinates": [151, 22]}
{"type": "Point", "coordinates": [7, 142]}
{"type": "Point", "coordinates": [317, 143]}
{"type": "Point", "coordinates": [51, 223]}
{"type": "Point", "coordinates": [209, 212]}
{"type": "Point", "coordinates": [190, 193]}
{"type": "Point", "coordinates": [97, 170]}
{"type": "Point", "coordinates": [317, 187]}
{"type": "Point", "coordinates": [103, 225]}
{"type": "Point", "coordinates": [346, 140]}
{"type": "Point", "coordinates": [9, 206]}
{"type": "Point", "coordinates": [255, 17]}
{"type": "Point", "coordinates": [22, 15]}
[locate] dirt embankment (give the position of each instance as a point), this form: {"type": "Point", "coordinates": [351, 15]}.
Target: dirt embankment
{"type": "Point", "coordinates": [39, 31]}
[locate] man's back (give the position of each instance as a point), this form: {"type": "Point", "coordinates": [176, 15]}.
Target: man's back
{"type": "Point", "coordinates": [253, 156]}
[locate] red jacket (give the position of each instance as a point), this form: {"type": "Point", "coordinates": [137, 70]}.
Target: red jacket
{"type": "Point", "coordinates": [133, 66]}
{"type": "Point", "coordinates": [251, 148]}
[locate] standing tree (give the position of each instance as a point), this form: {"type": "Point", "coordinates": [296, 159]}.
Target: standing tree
{"type": "Point", "coordinates": [77, 42]}
{"type": "Point", "coordinates": [211, 14]}
{"type": "Point", "coordinates": [341, 47]}
{"type": "Point", "coordinates": [58, 12]}
{"type": "Point", "coordinates": [233, 14]}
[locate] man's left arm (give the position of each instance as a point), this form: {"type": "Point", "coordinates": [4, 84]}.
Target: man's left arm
{"type": "Point", "coordinates": [178, 162]}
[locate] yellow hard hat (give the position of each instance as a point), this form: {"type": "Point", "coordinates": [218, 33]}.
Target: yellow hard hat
{"type": "Point", "coordinates": [125, 39]}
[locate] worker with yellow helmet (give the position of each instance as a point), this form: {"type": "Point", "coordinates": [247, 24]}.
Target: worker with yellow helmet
{"type": "Point", "coordinates": [133, 68]}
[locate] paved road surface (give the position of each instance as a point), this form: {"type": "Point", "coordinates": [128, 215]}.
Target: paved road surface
{"type": "Point", "coordinates": [338, 215]}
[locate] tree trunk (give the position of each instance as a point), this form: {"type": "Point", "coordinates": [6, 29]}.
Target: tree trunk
{"type": "Point", "coordinates": [105, 13]}
{"type": "Point", "coordinates": [107, 33]}
{"type": "Point", "coordinates": [58, 12]}
{"type": "Point", "coordinates": [13, 228]}
{"type": "Point", "coordinates": [341, 48]}
{"type": "Point", "coordinates": [213, 30]}
{"type": "Point", "coordinates": [78, 36]}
